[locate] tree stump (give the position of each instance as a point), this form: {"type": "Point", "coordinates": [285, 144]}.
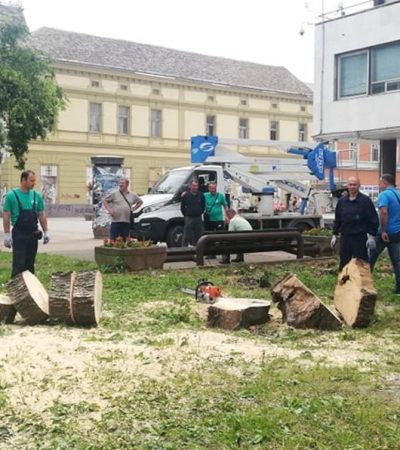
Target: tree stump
{"type": "Point", "coordinates": [7, 310]}
{"type": "Point", "coordinates": [30, 297]}
{"type": "Point", "coordinates": [86, 298]}
{"type": "Point", "coordinates": [233, 313]}
{"type": "Point", "coordinates": [355, 295]}
{"type": "Point", "coordinates": [300, 307]}
{"type": "Point", "coordinates": [60, 296]}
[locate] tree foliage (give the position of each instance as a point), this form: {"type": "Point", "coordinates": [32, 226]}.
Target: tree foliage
{"type": "Point", "coordinates": [30, 99]}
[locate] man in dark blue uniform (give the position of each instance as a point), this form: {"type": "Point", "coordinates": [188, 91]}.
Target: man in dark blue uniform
{"type": "Point", "coordinates": [357, 223]}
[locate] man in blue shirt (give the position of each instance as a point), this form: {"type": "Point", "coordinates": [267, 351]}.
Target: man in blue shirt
{"type": "Point", "coordinates": [357, 222]}
{"type": "Point", "coordinates": [389, 230]}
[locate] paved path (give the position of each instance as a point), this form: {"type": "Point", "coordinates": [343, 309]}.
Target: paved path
{"type": "Point", "coordinates": [73, 236]}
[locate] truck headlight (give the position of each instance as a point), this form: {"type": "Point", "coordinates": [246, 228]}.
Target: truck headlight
{"type": "Point", "coordinates": [151, 208]}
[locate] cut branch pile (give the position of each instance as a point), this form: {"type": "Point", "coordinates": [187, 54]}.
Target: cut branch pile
{"type": "Point", "coordinates": [75, 298]}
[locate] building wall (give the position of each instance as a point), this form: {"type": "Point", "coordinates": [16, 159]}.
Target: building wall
{"type": "Point", "coordinates": [349, 33]}
{"type": "Point", "coordinates": [184, 108]}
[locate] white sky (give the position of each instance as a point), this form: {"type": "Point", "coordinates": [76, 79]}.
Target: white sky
{"type": "Point", "coordinates": [263, 31]}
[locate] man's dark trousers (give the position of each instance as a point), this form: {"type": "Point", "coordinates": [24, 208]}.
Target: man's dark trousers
{"type": "Point", "coordinates": [352, 246]}
{"type": "Point", "coordinates": [25, 246]}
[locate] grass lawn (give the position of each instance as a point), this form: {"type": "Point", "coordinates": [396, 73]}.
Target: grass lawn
{"type": "Point", "coordinates": [152, 376]}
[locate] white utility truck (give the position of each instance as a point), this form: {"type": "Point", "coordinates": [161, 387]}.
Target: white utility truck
{"type": "Point", "coordinates": [160, 218]}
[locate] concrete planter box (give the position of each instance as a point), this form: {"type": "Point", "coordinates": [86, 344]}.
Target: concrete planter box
{"type": "Point", "coordinates": [320, 246]}
{"type": "Point", "coordinates": [133, 258]}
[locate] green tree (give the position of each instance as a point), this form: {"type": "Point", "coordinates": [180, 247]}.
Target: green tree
{"type": "Point", "coordinates": [30, 99]}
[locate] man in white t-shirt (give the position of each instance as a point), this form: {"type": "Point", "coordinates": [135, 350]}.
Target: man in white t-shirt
{"type": "Point", "coordinates": [119, 204]}
{"type": "Point", "coordinates": [237, 223]}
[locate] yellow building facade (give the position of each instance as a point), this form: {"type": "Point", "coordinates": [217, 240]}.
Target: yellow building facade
{"type": "Point", "coordinates": [148, 119]}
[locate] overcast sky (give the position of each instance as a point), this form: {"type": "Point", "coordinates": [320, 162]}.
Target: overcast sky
{"type": "Point", "coordinates": [263, 31]}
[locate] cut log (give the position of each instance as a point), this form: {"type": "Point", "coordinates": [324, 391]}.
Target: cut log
{"type": "Point", "coordinates": [233, 313]}
{"type": "Point", "coordinates": [86, 298]}
{"type": "Point", "coordinates": [60, 296]}
{"type": "Point", "coordinates": [355, 295]}
{"type": "Point", "coordinates": [300, 307]}
{"type": "Point", "coordinates": [30, 297]}
{"type": "Point", "coordinates": [7, 309]}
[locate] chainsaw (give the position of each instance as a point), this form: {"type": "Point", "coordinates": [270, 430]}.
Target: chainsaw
{"type": "Point", "coordinates": [205, 292]}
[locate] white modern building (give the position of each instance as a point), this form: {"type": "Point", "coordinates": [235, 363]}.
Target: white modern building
{"type": "Point", "coordinates": [357, 78]}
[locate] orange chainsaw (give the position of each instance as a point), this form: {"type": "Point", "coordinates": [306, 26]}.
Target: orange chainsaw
{"type": "Point", "coordinates": [205, 292]}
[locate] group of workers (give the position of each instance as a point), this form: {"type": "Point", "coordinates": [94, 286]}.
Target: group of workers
{"type": "Point", "coordinates": [364, 233]}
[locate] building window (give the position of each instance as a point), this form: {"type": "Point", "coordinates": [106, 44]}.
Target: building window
{"type": "Point", "coordinates": [274, 105]}
{"type": "Point", "coordinates": [243, 102]}
{"type": "Point", "coordinates": [274, 130]}
{"type": "Point", "coordinates": [48, 178]}
{"type": "Point", "coordinates": [353, 71]}
{"type": "Point", "coordinates": [302, 132]}
{"type": "Point", "coordinates": [302, 108]}
{"type": "Point", "coordinates": [353, 151]}
{"type": "Point", "coordinates": [156, 91]}
{"type": "Point", "coordinates": [95, 118]}
{"type": "Point", "coordinates": [123, 87]}
{"type": "Point", "coordinates": [375, 152]}
{"type": "Point", "coordinates": [243, 128]}
{"type": "Point", "coordinates": [155, 128]}
{"type": "Point", "coordinates": [123, 119]}
{"type": "Point", "coordinates": [210, 126]}
{"type": "Point", "coordinates": [211, 98]}
{"type": "Point", "coordinates": [385, 68]}
{"type": "Point", "coordinates": [95, 84]}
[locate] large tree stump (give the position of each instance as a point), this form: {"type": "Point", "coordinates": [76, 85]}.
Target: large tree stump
{"type": "Point", "coordinates": [30, 297]}
{"type": "Point", "coordinates": [60, 296]}
{"type": "Point", "coordinates": [355, 295]}
{"type": "Point", "coordinates": [86, 298]}
{"type": "Point", "coordinates": [233, 313]}
{"type": "Point", "coordinates": [300, 307]}
{"type": "Point", "coordinates": [7, 309]}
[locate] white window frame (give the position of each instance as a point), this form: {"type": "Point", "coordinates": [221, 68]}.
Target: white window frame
{"type": "Point", "coordinates": [303, 130]}
{"type": "Point", "coordinates": [243, 128]}
{"type": "Point", "coordinates": [95, 123]}
{"type": "Point", "coordinates": [339, 81]}
{"type": "Point", "coordinates": [375, 148]}
{"type": "Point", "coordinates": [274, 129]}
{"type": "Point", "coordinates": [155, 123]}
{"type": "Point", "coordinates": [353, 151]}
{"type": "Point", "coordinates": [123, 119]}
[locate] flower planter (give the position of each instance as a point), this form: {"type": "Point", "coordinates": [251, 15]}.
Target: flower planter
{"type": "Point", "coordinates": [139, 258]}
{"type": "Point", "coordinates": [320, 246]}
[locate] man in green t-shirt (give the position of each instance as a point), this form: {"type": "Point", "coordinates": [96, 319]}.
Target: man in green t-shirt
{"type": "Point", "coordinates": [22, 209]}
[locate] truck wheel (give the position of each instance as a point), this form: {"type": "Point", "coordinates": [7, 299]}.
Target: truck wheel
{"type": "Point", "coordinates": [302, 226]}
{"type": "Point", "coordinates": [174, 236]}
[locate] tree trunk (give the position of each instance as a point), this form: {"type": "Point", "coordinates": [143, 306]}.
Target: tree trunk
{"type": "Point", "coordinates": [7, 310]}
{"type": "Point", "coordinates": [233, 313]}
{"type": "Point", "coordinates": [30, 297]}
{"type": "Point", "coordinates": [86, 298]}
{"type": "Point", "coordinates": [60, 296]}
{"type": "Point", "coordinates": [355, 295]}
{"type": "Point", "coordinates": [300, 307]}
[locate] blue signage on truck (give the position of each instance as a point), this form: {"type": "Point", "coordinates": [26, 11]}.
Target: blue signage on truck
{"type": "Point", "coordinates": [201, 147]}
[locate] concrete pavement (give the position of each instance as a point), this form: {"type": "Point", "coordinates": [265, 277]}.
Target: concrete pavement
{"type": "Point", "coordinates": [73, 236]}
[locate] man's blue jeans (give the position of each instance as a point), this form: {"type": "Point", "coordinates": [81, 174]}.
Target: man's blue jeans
{"type": "Point", "coordinates": [394, 254]}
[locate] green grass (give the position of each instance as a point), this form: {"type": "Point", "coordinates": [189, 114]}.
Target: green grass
{"type": "Point", "coordinates": [224, 402]}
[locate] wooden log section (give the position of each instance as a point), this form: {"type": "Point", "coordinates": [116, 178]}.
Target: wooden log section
{"type": "Point", "coordinates": [355, 295]}
{"type": "Point", "coordinates": [300, 307]}
{"type": "Point", "coordinates": [60, 296]}
{"type": "Point", "coordinates": [7, 310]}
{"type": "Point", "coordinates": [30, 297]}
{"type": "Point", "coordinates": [86, 298]}
{"type": "Point", "coordinates": [233, 313]}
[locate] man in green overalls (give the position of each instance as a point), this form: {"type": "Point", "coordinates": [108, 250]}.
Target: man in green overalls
{"type": "Point", "coordinates": [22, 209]}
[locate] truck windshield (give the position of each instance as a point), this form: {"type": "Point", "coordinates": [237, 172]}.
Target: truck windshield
{"type": "Point", "coordinates": [171, 182]}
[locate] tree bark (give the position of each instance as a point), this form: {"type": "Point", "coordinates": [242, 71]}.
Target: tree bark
{"type": "Point", "coordinates": [60, 296]}
{"type": "Point", "coordinates": [30, 297]}
{"type": "Point", "coordinates": [86, 298]}
{"type": "Point", "coordinates": [355, 295]}
{"type": "Point", "coordinates": [7, 310]}
{"type": "Point", "coordinates": [300, 307]}
{"type": "Point", "coordinates": [233, 313]}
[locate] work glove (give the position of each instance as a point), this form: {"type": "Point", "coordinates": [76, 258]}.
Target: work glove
{"type": "Point", "coordinates": [46, 237]}
{"type": "Point", "coordinates": [371, 243]}
{"type": "Point", "coordinates": [333, 242]}
{"type": "Point", "coordinates": [7, 240]}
